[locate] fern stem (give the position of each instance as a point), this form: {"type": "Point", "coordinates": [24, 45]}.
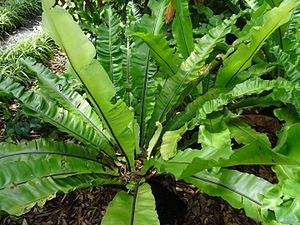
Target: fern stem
{"type": "Point", "coordinates": [142, 125]}
{"type": "Point", "coordinates": [134, 202]}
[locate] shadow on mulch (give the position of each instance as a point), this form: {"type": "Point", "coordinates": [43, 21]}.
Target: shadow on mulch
{"type": "Point", "coordinates": [87, 207]}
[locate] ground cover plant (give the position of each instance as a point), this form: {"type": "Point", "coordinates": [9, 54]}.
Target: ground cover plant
{"type": "Point", "coordinates": [37, 45]}
{"type": "Point", "coordinates": [160, 104]}
{"type": "Point", "coordinates": [15, 13]}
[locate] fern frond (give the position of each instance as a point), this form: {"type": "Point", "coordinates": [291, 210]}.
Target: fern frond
{"type": "Point", "coordinates": [143, 69]}
{"type": "Point", "coordinates": [41, 169]}
{"type": "Point", "coordinates": [291, 70]}
{"type": "Point", "coordinates": [108, 46]}
{"type": "Point", "coordinates": [182, 28]}
{"type": "Point", "coordinates": [188, 72]}
{"type": "Point", "coordinates": [36, 105]}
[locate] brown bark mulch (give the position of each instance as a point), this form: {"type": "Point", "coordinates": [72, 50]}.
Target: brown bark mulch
{"type": "Point", "coordinates": [87, 207]}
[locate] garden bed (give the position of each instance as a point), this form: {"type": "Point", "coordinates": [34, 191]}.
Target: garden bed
{"type": "Point", "coordinates": [17, 13]}
{"type": "Point", "coordinates": [160, 116]}
{"type": "Point", "coordinates": [32, 43]}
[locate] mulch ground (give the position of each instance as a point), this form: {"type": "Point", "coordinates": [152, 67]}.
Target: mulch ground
{"type": "Point", "coordinates": [87, 206]}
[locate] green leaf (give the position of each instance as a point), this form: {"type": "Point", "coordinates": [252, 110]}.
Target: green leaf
{"type": "Point", "coordinates": [288, 143]}
{"type": "Point", "coordinates": [161, 52]}
{"type": "Point", "coordinates": [215, 145]}
{"type": "Point", "coordinates": [254, 153]}
{"type": "Point", "coordinates": [214, 99]}
{"type": "Point", "coordinates": [288, 114]}
{"type": "Point", "coordinates": [168, 148]}
{"type": "Point", "coordinates": [254, 71]}
{"type": "Point", "coordinates": [158, 9]}
{"type": "Point", "coordinates": [133, 17]}
{"type": "Point", "coordinates": [32, 173]}
{"type": "Point", "coordinates": [143, 85]}
{"type": "Point", "coordinates": [177, 164]}
{"type": "Point", "coordinates": [126, 209]}
{"type": "Point", "coordinates": [143, 69]}
{"type": "Point", "coordinates": [283, 91]}
{"type": "Point", "coordinates": [289, 212]}
{"type": "Point", "coordinates": [279, 86]}
{"type": "Point", "coordinates": [241, 190]}
{"type": "Point", "coordinates": [212, 106]}
{"type": "Point", "coordinates": [216, 152]}
{"type": "Point", "coordinates": [244, 134]}
{"type": "Point", "coordinates": [283, 198]}
{"type": "Point", "coordinates": [253, 4]}
{"type": "Point", "coordinates": [188, 72]}
{"type": "Point", "coordinates": [116, 117]}
{"type": "Point", "coordinates": [43, 158]}
{"type": "Point", "coordinates": [291, 38]}
{"type": "Point", "coordinates": [154, 139]}
{"type": "Point", "coordinates": [17, 201]}
{"type": "Point", "coordinates": [59, 89]}
{"type": "Point", "coordinates": [189, 162]}
{"type": "Point", "coordinates": [191, 109]}
{"type": "Point", "coordinates": [36, 105]}
{"type": "Point", "coordinates": [182, 28]}
{"type": "Point", "coordinates": [242, 57]}
{"type": "Point", "coordinates": [108, 43]}
{"type": "Point", "coordinates": [292, 72]}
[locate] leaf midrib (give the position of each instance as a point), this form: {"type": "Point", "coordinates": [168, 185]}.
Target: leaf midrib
{"type": "Point", "coordinates": [81, 113]}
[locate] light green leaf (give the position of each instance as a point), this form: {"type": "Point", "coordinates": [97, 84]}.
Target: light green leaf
{"type": "Point", "coordinates": [191, 109]}
{"type": "Point", "coordinates": [283, 198]}
{"type": "Point", "coordinates": [59, 90]}
{"type": "Point", "coordinates": [154, 139]}
{"type": "Point", "coordinates": [182, 28]}
{"type": "Point", "coordinates": [241, 190]}
{"type": "Point", "coordinates": [168, 148]}
{"type": "Point", "coordinates": [215, 99]}
{"type": "Point", "coordinates": [80, 51]}
{"type": "Point", "coordinates": [288, 114]}
{"type": "Point", "coordinates": [126, 209]}
{"type": "Point", "coordinates": [143, 85]}
{"type": "Point", "coordinates": [143, 69]}
{"type": "Point", "coordinates": [177, 164]}
{"type": "Point", "coordinates": [188, 72]}
{"type": "Point", "coordinates": [108, 46]}
{"type": "Point", "coordinates": [36, 105]}
{"type": "Point", "coordinates": [244, 134]}
{"type": "Point", "coordinates": [161, 52]}
{"type": "Point", "coordinates": [254, 153]}
{"type": "Point", "coordinates": [215, 145]}
{"type": "Point", "coordinates": [34, 172]}
{"type": "Point", "coordinates": [242, 57]}
{"type": "Point", "coordinates": [18, 200]}
{"type": "Point", "coordinates": [288, 143]}
{"type": "Point", "coordinates": [291, 71]}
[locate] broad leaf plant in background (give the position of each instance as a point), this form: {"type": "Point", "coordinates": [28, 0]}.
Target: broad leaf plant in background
{"type": "Point", "coordinates": [163, 98]}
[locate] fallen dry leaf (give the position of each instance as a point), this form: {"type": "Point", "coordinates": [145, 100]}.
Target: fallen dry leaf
{"type": "Point", "coordinates": [169, 12]}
